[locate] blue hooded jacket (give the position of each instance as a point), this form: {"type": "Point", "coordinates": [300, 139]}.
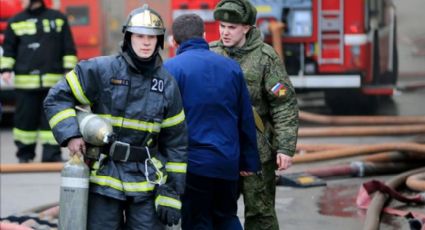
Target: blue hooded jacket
{"type": "Point", "coordinates": [222, 135]}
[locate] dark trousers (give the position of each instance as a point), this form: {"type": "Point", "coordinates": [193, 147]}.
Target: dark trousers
{"type": "Point", "coordinates": [30, 122]}
{"type": "Point", "coordinates": [112, 214]}
{"type": "Point", "coordinates": [210, 203]}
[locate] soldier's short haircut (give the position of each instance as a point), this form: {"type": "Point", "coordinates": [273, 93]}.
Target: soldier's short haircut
{"type": "Point", "coordinates": [187, 26]}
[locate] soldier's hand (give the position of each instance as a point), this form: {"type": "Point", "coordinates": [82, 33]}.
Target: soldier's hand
{"type": "Point", "coordinates": [76, 146]}
{"type": "Point", "coordinates": [283, 161]}
{"type": "Point", "coordinates": [246, 173]}
{"type": "Point", "coordinates": [7, 77]}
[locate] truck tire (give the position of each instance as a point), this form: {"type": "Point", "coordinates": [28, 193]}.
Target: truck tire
{"type": "Point", "coordinates": [350, 102]}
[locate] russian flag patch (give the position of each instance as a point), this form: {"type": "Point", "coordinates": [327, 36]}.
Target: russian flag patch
{"type": "Point", "coordinates": [279, 89]}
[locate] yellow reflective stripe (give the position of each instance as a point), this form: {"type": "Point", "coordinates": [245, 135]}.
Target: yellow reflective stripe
{"type": "Point", "coordinates": [167, 201]}
{"type": "Point", "coordinates": [46, 25]}
{"type": "Point", "coordinates": [120, 185]}
{"type": "Point", "coordinates": [50, 79]}
{"type": "Point", "coordinates": [176, 167]}
{"type": "Point", "coordinates": [25, 27]}
{"type": "Point", "coordinates": [67, 113]}
{"type": "Point", "coordinates": [132, 123]}
{"type": "Point", "coordinates": [174, 120]}
{"type": "Point", "coordinates": [46, 137]}
{"type": "Point", "coordinates": [26, 137]}
{"type": "Point", "coordinates": [6, 62]}
{"type": "Point", "coordinates": [59, 24]}
{"type": "Point", "coordinates": [69, 61]}
{"type": "Point", "coordinates": [27, 81]}
{"type": "Point", "coordinates": [76, 88]}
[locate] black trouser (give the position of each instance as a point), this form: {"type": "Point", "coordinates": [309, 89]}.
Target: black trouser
{"type": "Point", "coordinates": [30, 124]}
{"type": "Point", "coordinates": [210, 203]}
{"type": "Point", "coordinates": [112, 214]}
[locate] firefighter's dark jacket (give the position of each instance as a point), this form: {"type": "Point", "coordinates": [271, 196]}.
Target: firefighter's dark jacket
{"type": "Point", "coordinates": [38, 47]}
{"type": "Point", "coordinates": [137, 104]}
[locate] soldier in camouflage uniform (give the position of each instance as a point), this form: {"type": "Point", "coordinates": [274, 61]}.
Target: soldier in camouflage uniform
{"type": "Point", "coordinates": [273, 99]}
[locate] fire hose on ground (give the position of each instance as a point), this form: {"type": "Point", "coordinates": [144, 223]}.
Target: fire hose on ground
{"type": "Point", "coordinates": [360, 120]}
{"type": "Point", "coordinates": [361, 150]}
{"type": "Point", "coordinates": [375, 207]}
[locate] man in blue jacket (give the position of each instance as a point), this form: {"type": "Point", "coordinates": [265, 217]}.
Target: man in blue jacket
{"type": "Point", "coordinates": [222, 137]}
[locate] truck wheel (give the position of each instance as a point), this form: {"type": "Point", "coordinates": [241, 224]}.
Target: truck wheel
{"type": "Point", "coordinates": [394, 73]}
{"type": "Point", "coordinates": [376, 59]}
{"type": "Point", "coordinates": [350, 102]}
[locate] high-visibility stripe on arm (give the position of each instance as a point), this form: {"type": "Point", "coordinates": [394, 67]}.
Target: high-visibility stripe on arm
{"type": "Point", "coordinates": [167, 201]}
{"type": "Point", "coordinates": [174, 120]}
{"type": "Point", "coordinates": [69, 61]}
{"type": "Point", "coordinates": [7, 62]}
{"type": "Point", "coordinates": [76, 88]}
{"type": "Point", "coordinates": [176, 167]}
{"type": "Point", "coordinates": [67, 113]}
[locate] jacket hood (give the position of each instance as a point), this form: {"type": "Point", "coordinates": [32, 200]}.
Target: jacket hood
{"type": "Point", "coordinates": [253, 41]}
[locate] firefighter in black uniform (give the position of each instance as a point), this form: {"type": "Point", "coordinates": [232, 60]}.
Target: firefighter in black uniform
{"type": "Point", "coordinates": [39, 49]}
{"type": "Point", "coordinates": [137, 181]}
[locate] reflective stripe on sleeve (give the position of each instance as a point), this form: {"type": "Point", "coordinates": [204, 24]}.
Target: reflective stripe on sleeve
{"type": "Point", "coordinates": [76, 88]}
{"type": "Point", "coordinates": [176, 167]}
{"type": "Point", "coordinates": [174, 120]}
{"type": "Point", "coordinates": [167, 201]}
{"type": "Point", "coordinates": [69, 61]}
{"type": "Point", "coordinates": [67, 113]}
{"type": "Point", "coordinates": [7, 62]}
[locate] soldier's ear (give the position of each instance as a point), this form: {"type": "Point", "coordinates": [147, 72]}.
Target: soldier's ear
{"type": "Point", "coordinates": [204, 35]}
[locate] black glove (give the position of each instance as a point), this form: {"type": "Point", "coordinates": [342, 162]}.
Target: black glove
{"type": "Point", "coordinates": [168, 205]}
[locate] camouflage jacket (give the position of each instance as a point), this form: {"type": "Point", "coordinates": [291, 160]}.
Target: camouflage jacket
{"type": "Point", "coordinates": [272, 94]}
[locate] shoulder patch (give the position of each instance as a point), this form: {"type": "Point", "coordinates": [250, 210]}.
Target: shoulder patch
{"type": "Point", "coordinates": [279, 89]}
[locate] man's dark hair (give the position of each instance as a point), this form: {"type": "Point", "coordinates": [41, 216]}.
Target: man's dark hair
{"type": "Point", "coordinates": [187, 26]}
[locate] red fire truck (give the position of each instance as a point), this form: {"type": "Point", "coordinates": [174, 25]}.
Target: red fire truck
{"type": "Point", "coordinates": [345, 48]}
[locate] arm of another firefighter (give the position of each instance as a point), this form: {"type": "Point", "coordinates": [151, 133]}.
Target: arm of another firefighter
{"type": "Point", "coordinates": [7, 60]}
{"type": "Point", "coordinates": [70, 52]}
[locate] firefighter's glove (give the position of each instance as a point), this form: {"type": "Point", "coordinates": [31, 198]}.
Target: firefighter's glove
{"type": "Point", "coordinates": [168, 205]}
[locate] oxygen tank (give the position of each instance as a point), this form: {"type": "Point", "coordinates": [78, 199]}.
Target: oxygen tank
{"type": "Point", "coordinates": [74, 195]}
{"type": "Point", "coordinates": [96, 132]}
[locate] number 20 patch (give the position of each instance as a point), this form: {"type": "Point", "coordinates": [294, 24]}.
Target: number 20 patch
{"type": "Point", "coordinates": [157, 85]}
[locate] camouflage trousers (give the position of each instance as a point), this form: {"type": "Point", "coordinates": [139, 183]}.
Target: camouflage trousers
{"type": "Point", "coordinates": [259, 198]}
